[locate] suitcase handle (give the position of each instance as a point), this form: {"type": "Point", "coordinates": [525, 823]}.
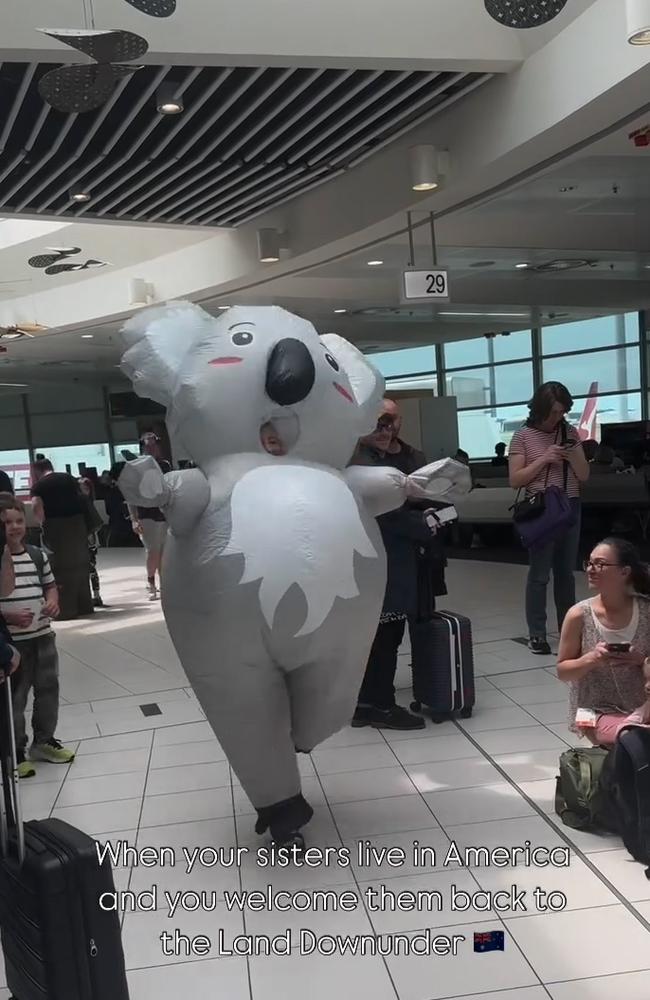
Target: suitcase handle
{"type": "Point", "coordinates": [10, 766]}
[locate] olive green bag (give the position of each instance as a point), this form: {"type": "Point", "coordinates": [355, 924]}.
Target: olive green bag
{"type": "Point", "coordinates": [580, 801]}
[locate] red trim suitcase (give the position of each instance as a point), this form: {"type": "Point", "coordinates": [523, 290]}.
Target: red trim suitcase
{"type": "Point", "coordinates": [58, 943]}
{"type": "Point", "coordinates": [442, 663]}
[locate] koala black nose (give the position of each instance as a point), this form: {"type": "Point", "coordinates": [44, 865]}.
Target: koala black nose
{"type": "Point", "coordinates": [290, 373]}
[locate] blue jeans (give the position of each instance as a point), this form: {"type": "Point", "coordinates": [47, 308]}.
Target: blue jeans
{"type": "Point", "coordinates": [560, 556]}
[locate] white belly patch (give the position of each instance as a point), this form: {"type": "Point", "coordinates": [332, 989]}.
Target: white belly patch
{"type": "Point", "coordinates": [299, 525]}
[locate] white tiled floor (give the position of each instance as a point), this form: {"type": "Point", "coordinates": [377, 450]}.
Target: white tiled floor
{"type": "Point", "coordinates": [163, 781]}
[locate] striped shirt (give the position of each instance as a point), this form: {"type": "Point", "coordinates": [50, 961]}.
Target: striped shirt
{"type": "Point", "coordinates": [29, 593]}
{"type": "Point", "coordinates": [531, 443]}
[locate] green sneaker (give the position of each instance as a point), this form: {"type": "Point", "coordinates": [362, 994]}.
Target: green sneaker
{"type": "Point", "coordinates": [51, 751]}
{"type": "Point", "coordinates": [26, 769]}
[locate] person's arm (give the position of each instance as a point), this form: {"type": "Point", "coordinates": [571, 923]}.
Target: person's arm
{"type": "Point", "coordinates": [573, 664]}
{"type": "Point", "coordinates": [520, 474]}
{"type": "Point", "coordinates": [577, 460]}
{"type": "Point", "coordinates": [50, 590]}
{"type": "Point", "coordinates": [38, 510]}
{"type": "Point", "coordinates": [7, 574]}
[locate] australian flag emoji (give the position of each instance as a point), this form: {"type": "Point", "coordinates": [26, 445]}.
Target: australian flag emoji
{"type": "Point", "coordinates": [489, 941]}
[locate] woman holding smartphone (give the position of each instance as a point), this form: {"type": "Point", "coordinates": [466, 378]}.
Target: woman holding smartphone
{"type": "Point", "coordinates": [547, 452]}
{"type": "Point", "coordinates": [604, 645]}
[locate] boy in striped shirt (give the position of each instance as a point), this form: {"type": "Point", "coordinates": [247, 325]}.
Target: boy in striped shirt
{"type": "Point", "coordinates": [28, 612]}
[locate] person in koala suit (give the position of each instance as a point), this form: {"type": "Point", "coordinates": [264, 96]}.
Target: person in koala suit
{"type": "Point", "coordinates": [274, 572]}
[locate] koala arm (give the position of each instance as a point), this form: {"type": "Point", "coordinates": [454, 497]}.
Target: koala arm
{"type": "Point", "coordinates": [182, 496]}
{"type": "Point", "coordinates": [383, 488]}
{"type": "Point", "coordinates": [380, 488]}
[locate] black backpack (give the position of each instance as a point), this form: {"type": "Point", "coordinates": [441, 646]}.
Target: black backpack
{"type": "Point", "coordinates": [625, 781]}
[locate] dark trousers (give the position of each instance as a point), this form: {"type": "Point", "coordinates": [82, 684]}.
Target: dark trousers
{"type": "Point", "coordinates": [94, 575]}
{"type": "Point", "coordinates": [39, 669]}
{"type": "Point", "coordinates": [559, 557]}
{"type": "Point", "coordinates": [378, 687]}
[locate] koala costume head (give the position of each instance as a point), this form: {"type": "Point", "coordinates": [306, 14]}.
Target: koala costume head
{"type": "Point", "coordinates": [221, 380]}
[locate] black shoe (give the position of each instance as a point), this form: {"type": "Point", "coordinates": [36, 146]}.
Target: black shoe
{"type": "Point", "coordinates": [539, 646]}
{"type": "Point", "coordinates": [391, 718]}
{"type": "Point", "coordinates": [97, 602]}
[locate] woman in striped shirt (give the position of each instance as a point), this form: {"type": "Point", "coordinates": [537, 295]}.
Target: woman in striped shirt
{"type": "Point", "coordinates": [547, 452]}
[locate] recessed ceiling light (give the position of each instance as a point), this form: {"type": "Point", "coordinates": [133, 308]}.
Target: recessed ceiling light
{"type": "Point", "coordinates": [375, 263]}
{"type": "Point", "coordinates": [223, 308]}
{"type": "Point", "coordinates": [522, 266]}
{"type": "Point", "coordinates": [340, 311]}
{"type": "Point", "coordinates": [79, 195]}
{"type": "Point", "coordinates": [167, 100]}
{"type": "Point", "coordinates": [87, 336]}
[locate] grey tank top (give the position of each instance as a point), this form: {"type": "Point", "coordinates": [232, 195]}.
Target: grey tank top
{"type": "Point", "coordinates": [610, 690]}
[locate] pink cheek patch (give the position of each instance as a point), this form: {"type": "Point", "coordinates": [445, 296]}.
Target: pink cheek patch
{"type": "Point", "coordinates": [344, 392]}
{"type": "Point", "coordinates": [224, 361]}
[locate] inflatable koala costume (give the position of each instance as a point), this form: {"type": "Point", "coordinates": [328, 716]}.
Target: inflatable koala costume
{"type": "Point", "coordinates": [274, 573]}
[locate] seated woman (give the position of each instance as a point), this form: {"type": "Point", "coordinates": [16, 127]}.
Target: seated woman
{"type": "Point", "coordinates": [609, 689]}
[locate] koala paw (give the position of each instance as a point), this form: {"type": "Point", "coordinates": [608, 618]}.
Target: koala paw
{"type": "Point", "coordinates": [142, 483]}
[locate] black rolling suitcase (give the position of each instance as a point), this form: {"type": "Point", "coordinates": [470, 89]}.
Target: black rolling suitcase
{"type": "Point", "coordinates": [58, 943]}
{"type": "Point", "coordinates": [442, 662]}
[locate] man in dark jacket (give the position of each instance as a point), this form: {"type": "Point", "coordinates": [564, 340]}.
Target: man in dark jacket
{"type": "Point", "coordinates": [405, 533]}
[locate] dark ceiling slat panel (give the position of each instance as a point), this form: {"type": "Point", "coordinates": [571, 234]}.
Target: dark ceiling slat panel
{"type": "Point", "coordinates": [348, 115]}
{"type": "Point", "coordinates": [246, 137]}
{"type": "Point", "coordinates": [17, 104]}
{"type": "Point", "coordinates": [212, 200]}
{"type": "Point", "coordinates": [150, 174]}
{"type": "Point", "coordinates": [38, 167]}
{"type": "Point", "coordinates": [343, 137]}
{"type": "Point", "coordinates": [234, 97]}
{"type": "Point", "coordinates": [314, 121]}
{"type": "Point", "coordinates": [304, 111]}
{"type": "Point", "coordinates": [249, 139]}
{"type": "Point", "coordinates": [229, 204]}
{"type": "Point", "coordinates": [472, 84]}
{"type": "Point", "coordinates": [81, 148]}
{"type": "Point", "coordinates": [195, 202]}
{"type": "Point", "coordinates": [148, 95]}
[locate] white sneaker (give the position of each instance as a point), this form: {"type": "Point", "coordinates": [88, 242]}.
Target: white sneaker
{"type": "Point", "coordinates": [153, 594]}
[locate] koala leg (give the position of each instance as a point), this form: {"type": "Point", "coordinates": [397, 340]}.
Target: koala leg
{"type": "Point", "coordinates": [323, 699]}
{"type": "Point", "coordinates": [248, 706]}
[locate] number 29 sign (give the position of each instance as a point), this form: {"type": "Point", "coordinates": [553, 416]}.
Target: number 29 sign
{"type": "Point", "coordinates": [425, 286]}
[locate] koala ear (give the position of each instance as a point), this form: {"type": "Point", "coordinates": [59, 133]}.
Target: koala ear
{"type": "Point", "coordinates": [366, 381]}
{"type": "Point", "coordinates": [158, 340]}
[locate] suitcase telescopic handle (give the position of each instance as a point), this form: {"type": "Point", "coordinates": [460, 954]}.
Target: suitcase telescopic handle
{"type": "Point", "coordinates": [12, 771]}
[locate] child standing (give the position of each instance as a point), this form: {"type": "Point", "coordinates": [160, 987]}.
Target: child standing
{"type": "Point", "coordinates": [28, 611]}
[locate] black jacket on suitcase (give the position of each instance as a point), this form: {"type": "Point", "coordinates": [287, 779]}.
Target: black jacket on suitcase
{"type": "Point", "coordinates": [57, 941]}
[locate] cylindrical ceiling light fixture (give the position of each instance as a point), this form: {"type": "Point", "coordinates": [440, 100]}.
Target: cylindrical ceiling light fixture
{"type": "Point", "coordinates": [424, 168]}
{"type": "Point", "coordinates": [638, 22]}
{"type": "Point", "coordinates": [268, 242]}
{"type": "Point", "coordinates": [168, 101]}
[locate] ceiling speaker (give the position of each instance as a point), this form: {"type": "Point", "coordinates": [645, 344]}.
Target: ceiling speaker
{"type": "Point", "coordinates": [524, 13]}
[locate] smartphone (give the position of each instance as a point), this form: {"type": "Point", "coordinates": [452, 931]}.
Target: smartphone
{"type": "Point", "coordinates": [618, 647]}
{"type": "Point", "coordinates": [569, 445]}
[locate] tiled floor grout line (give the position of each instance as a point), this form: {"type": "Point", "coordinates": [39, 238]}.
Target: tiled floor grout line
{"type": "Point", "coordinates": [100, 673]}
{"type": "Point", "coordinates": [470, 871]}
{"type": "Point", "coordinates": [584, 857]}
{"type": "Point", "coordinates": [139, 819]}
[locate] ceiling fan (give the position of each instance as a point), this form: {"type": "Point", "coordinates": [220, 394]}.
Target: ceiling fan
{"type": "Point", "coordinates": [17, 331]}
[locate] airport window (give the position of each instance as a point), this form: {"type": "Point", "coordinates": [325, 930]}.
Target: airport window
{"type": "Point", "coordinates": [606, 331]}
{"type": "Point", "coordinates": [96, 456]}
{"type": "Point", "coordinates": [17, 466]}
{"type": "Point", "coordinates": [615, 370]}
{"type": "Point", "coordinates": [408, 361]}
{"type": "Point", "coordinates": [491, 386]}
{"type": "Point", "coordinates": [484, 350]}
{"type": "Point", "coordinates": [480, 430]}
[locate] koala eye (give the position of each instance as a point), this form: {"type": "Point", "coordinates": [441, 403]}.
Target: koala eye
{"type": "Point", "coordinates": [242, 338]}
{"type": "Point", "coordinates": [333, 364]}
